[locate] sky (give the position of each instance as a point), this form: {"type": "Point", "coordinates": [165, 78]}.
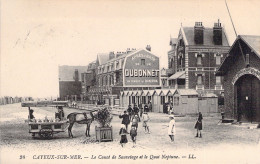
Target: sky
{"type": "Point", "coordinates": [39, 35]}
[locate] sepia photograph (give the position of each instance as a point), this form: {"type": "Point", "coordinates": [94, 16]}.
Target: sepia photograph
{"type": "Point", "coordinates": [129, 81]}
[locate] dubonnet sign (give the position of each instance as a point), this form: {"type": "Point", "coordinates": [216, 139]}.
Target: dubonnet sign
{"type": "Point", "coordinates": [142, 69]}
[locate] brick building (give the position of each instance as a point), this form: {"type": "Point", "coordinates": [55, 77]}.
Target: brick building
{"type": "Point", "coordinates": [195, 56]}
{"type": "Point", "coordinates": [241, 72]}
{"type": "Point", "coordinates": [70, 82]}
{"type": "Point", "coordinates": [130, 70]}
{"type": "Point", "coordinates": [88, 80]}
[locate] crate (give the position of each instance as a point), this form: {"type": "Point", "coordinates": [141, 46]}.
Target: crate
{"type": "Point", "coordinates": [104, 134]}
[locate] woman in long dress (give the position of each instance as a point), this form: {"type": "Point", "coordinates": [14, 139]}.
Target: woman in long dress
{"type": "Point", "coordinates": [171, 129]}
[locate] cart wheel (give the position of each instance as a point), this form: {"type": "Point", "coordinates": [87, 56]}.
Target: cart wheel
{"type": "Point", "coordinates": [46, 133]}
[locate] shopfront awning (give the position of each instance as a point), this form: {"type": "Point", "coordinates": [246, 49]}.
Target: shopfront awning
{"type": "Point", "coordinates": [178, 75]}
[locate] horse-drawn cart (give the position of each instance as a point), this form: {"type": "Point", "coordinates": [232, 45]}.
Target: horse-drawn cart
{"type": "Point", "coordinates": [46, 128]}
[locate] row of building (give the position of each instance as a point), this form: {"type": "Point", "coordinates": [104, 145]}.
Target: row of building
{"type": "Point", "coordinates": [11, 100]}
{"type": "Point", "coordinates": [200, 60]}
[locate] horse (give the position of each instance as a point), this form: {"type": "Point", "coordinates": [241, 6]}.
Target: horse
{"type": "Point", "coordinates": [80, 118]}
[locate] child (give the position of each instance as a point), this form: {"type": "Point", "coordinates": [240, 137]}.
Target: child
{"type": "Point", "coordinates": [133, 134]}
{"type": "Point", "coordinates": [171, 129]}
{"type": "Point", "coordinates": [198, 125]}
{"type": "Point", "coordinates": [146, 118]}
{"type": "Point", "coordinates": [135, 121]}
{"type": "Point", "coordinates": [123, 133]}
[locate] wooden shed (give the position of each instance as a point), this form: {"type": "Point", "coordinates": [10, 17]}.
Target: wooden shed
{"type": "Point", "coordinates": [185, 101]}
{"type": "Point", "coordinates": [208, 103]}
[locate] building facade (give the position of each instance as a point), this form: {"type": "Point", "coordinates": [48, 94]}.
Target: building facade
{"type": "Point", "coordinates": [195, 56]}
{"type": "Point", "coordinates": [88, 80]}
{"type": "Point", "coordinates": [130, 70]}
{"type": "Point", "coordinates": [241, 72]}
{"type": "Point", "coordinates": [70, 82]}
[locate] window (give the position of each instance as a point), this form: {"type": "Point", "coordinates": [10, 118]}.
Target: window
{"type": "Point", "coordinates": [108, 80]}
{"type": "Point", "coordinates": [199, 59]}
{"type": "Point", "coordinates": [112, 80]}
{"type": "Point", "coordinates": [176, 101]}
{"type": "Point", "coordinates": [117, 77]}
{"type": "Point", "coordinates": [172, 63]}
{"type": "Point", "coordinates": [199, 80]}
{"type": "Point", "coordinates": [247, 59]}
{"type": "Point", "coordinates": [162, 100]}
{"type": "Point", "coordinates": [218, 80]}
{"type": "Point", "coordinates": [218, 60]}
{"type": "Point", "coordinates": [142, 61]}
{"type": "Point", "coordinates": [117, 65]}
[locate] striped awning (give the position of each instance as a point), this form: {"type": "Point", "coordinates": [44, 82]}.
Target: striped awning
{"type": "Point", "coordinates": [178, 75]}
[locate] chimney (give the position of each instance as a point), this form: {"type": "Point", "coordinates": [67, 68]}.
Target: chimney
{"type": "Point", "coordinates": [128, 50]}
{"type": "Point", "coordinates": [217, 33]}
{"type": "Point", "coordinates": [198, 33]}
{"type": "Point", "coordinates": [111, 55]}
{"type": "Point", "coordinates": [148, 48]}
{"type": "Point", "coordinates": [119, 54]}
{"type": "Point", "coordinates": [76, 75]}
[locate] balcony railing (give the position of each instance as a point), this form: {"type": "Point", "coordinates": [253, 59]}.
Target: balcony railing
{"type": "Point", "coordinates": [199, 87]}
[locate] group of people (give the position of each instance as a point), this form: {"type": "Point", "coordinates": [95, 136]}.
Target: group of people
{"type": "Point", "coordinates": [168, 108]}
{"type": "Point", "coordinates": [131, 116]}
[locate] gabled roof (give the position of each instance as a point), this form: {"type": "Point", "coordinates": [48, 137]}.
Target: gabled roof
{"type": "Point", "coordinates": [138, 93]}
{"type": "Point", "coordinates": [171, 92]}
{"type": "Point", "coordinates": [188, 33]}
{"type": "Point", "coordinates": [252, 41]}
{"type": "Point", "coordinates": [163, 92]}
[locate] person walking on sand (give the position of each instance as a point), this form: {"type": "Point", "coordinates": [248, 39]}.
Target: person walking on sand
{"type": "Point", "coordinates": [130, 111]}
{"type": "Point", "coordinates": [123, 134]}
{"type": "Point", "coordinates": [133, 134]}
{"type": "Point", "coordinates": [198, 125]}
{"type": "Point", "coordinates": [136, 111]}
{"type": "Point", "coordinates": [125, 119]}
{"type": "Point", "coordinates": [146, 108]}
{"type": "Point", "coordinates": [135, 121]}
{"type": "Point", "coordinates": [145, 119]}
{"type": "Point", "coordinates": [171, 129]}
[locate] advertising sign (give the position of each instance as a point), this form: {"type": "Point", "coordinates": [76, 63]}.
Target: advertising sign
{"type": "Point", "coordinates": [142, 69]}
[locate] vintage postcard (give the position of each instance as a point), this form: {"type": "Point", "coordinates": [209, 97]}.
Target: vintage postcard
{"type": "Point", "coordinates": [146, 81]}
